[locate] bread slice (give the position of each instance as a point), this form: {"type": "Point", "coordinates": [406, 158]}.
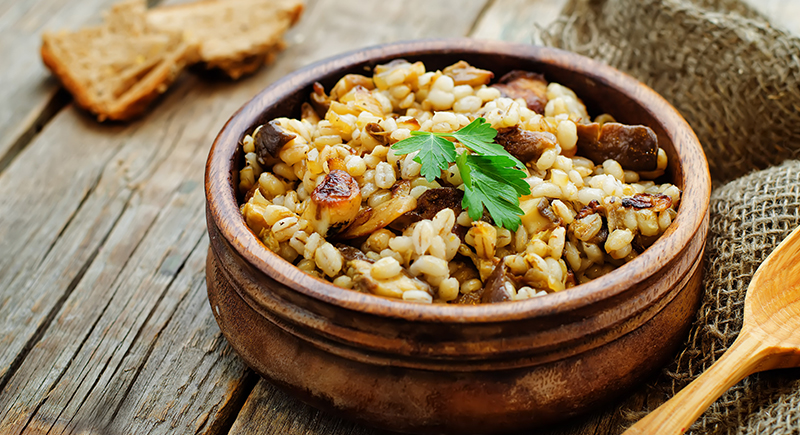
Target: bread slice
{"type": "Point", "coordinates": [116, 69]}
{"type": "Point", "coordinates": [235, 36]}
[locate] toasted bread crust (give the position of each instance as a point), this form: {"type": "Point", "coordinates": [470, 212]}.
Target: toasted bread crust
{"type": "Point", "coordinates": [116, 69]}
{"type": "Point", "coordinates": [151, 87]}
{"type": "Point", "coordinates": [235, 61]}
{"type": "Point", "coordinates": [133, 102]}
{"type": "Point", "coordinates": [122, 79]}
{"type": "Point", "coordinates": [62, 72]}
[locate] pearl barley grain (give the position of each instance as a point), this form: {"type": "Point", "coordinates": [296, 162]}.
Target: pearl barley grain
{"type": "Point", "coordinates": [586, 227]}
{"type": "Point", "coordinates": [385, 268]}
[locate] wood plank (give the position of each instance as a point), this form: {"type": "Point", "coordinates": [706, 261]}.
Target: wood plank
{"type": "Point", "coordinates": [182, 379]}
{"type": "Point", "coordinates": [29, 97]}
{"type": "Point", "coordinates": [159, 226]}
{"type": "Point", "coordinates": [191, 381]}
{"type": "Point", "coordinates": [270, 411]}
{"type": "Point", "coordinates": [56, 227]}
{"type": "Point", "coordinates": [91, 250]}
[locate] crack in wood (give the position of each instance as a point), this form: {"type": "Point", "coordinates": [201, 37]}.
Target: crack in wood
{"type": "Point", "coordinates": [152, 346]}
{"type": "Point", "coordinates": [30, 417]}
{"type": "Point", "coordinates": [51, 315]}
{"type": "Point", "coordinates": [66, 225]}
{"type": "Point", "coordinates": [240, 396]}
{"type": "Point", "coordinates": [56, 102]}
{"type": "Point", "coordinates": [60, 99]}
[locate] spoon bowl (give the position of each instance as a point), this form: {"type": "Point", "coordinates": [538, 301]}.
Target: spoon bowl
{"type": "Point", "coordinates": [769, 340]}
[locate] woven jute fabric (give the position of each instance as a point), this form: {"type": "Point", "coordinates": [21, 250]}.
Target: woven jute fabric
{"type": "Point", "coordinates": [748, 218]}
{"type": "Point", "coordinates": [736, 80]}
{"type": "Point", "coordinates": [734, 77]}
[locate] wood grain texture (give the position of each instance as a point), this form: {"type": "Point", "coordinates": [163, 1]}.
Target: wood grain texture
{"type": "Point", "coordinates": [270, 411]}
{"type": "Point", "coordinates": [29, 94]}
{"type": "Point", "coordinates": [118, 298]}
{"type": "Point", "coordinates": [100, 253]}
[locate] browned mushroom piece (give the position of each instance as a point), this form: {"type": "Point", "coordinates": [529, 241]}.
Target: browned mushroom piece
{"type": "Point", "coordinates": [591, 208]}
{"type": "Point", "coordinates": [473, 298]}
{"type": "Point", "coordinates": [431, 201]}
{"type": "Point", "coordinates": [461, 231]}
{"type": "Point", "coordinates": [319, 100]}
{"type": "Point", "coordinates": [376, 132]}
{"type": "Point", "coordinates": [634, 147]}
{"type": "Point", "coordinates": [496, 288]}
{"type": "Point", "coordinates": [582, 227]}
{"type": "Point", "coordinates": [601, 235]}
{"type": "Point", "coordinates": [364, 100]}
{"type": "Point", "coordinates": [371, 219]}
{"type": "Point", "coordinates": [525, 145]}
{"type": "Point", "coordinates": [348, 82]}
{"type": "Point", "coordinates": [336, 163]}
{"type": "Point", "coordinates": [463, 270]}
{"type": "Point", "coordinates": [547, 211]}
{"type": "Point", "coordinates": [401, 188]}
{"type": "Point", "coordinates": [269, 139]}
{"type": "Point", "coordinates": [463, 73]}
{"type": "Point", "coordinates": [529, 86]}
{"type": "Point", "coordinates": [484, 266]}
{"type": "Point", "coordinates": [571, 280]}
{"type": "Point", "coordinates": [350, 253]}
{"type": "Point", "coordinates": [334, 203]}
{"type": "Point", "coordinates": [657, 202]}
{"type": "Point", "coordinates": [250, 192]}
{"type": "Point", "coordinates": [409, 123]}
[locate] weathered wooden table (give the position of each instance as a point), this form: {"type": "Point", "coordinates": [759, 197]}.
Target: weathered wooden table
{"type": "Point", "coordinates": [104, 323]}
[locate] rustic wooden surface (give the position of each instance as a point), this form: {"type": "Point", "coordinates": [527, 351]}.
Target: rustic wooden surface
{"type": "Point", "coordinates": [104, 322]}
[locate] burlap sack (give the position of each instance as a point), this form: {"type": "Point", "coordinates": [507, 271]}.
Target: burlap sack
{"type": "Point", "coordinates": [731, 75]}
{"type": "Point", "coordinates": [735, 79]}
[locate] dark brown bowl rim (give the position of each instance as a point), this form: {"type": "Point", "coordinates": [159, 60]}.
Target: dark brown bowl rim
{"type": "Point", "coordinates": [221, 199]}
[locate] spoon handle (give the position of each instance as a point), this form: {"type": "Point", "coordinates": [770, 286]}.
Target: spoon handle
{"type": "Point", "coordinates": [677, 414]}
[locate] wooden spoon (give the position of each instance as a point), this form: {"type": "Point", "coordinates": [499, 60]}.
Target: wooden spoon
{"type": "Point", "coordinates": [770, 339]}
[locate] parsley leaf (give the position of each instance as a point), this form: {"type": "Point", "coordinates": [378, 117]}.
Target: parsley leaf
{"type": "Point", "coordinates": [435, 152]}
{"type": "Point", "coordinates": [490, 183]}
{"type": "Point", "coordinates": [493, 178]}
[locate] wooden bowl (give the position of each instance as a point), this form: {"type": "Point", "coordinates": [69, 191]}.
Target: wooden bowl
{"type": "Point", "coordinates": [461, 369]}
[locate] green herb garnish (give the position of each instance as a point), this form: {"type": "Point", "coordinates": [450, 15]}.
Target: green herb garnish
{"type": "Point", "coordinates": [492, 177]}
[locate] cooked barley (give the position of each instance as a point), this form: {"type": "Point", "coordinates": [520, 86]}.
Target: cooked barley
{"type": "Point", "coordinates": [579, 222]}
